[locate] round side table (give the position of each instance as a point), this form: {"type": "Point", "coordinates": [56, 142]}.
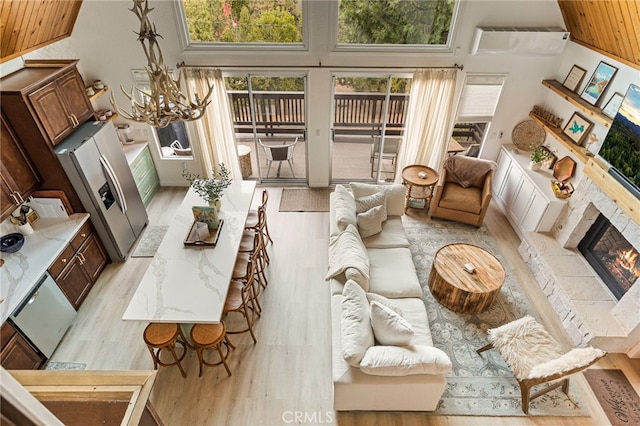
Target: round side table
{"type": "Point", "coordinates": [420, 181]}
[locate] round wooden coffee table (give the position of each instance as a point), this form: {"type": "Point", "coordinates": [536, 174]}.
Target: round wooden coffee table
{"type": "Point", "coordinates": [459, 290]}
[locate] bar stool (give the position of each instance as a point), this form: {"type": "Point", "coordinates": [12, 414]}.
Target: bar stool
{"type": "Point", "coordinates": [165, 336]}
{"type": "Point", "coordinates": [206, 336]}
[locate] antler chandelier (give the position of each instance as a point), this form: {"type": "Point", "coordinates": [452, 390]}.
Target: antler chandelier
{"type": "Point", "coordinates": [165, 103]}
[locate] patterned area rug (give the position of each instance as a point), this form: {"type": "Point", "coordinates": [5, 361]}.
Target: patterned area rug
{"type": "Point", "coordinates": [53, 365]}
{"type": "Point", "coordinates": [149, 241]}
{"type": "Point", "coordinates": [478, 385]}
{"type": "Point", "coordinates": [305, 199]}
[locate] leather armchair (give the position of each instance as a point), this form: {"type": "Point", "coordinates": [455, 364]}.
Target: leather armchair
{"type": "Point", "coordinates": [464, 191]}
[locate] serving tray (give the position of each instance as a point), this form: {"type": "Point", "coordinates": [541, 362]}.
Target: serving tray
{"type": "Point", "coordinates": [201, 236]}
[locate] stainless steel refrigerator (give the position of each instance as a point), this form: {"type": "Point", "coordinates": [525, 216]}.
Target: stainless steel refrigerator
{"type": "Point", "coordinates": [93, 159]}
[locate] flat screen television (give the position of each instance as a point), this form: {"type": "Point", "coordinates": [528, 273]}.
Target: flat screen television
{"type": "Point", "coordinates": [621, 146]}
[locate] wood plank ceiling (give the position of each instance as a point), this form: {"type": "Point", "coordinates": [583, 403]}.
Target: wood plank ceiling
{"type": "Point", "coordinates": [611, 27]}
{"type": "Point", "coordinates": [29, 25]}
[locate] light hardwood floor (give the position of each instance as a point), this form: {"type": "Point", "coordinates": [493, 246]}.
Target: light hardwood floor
{"type": "Point", "coordinates": [286, 377]}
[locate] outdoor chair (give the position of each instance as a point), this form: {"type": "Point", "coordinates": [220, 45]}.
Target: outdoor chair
{"type": "Point", "coordinates": [535, 357]}
{"type": "Point", "coordinates": [279, 153]}
{"type": "Point", "coordinates": [389, 152]}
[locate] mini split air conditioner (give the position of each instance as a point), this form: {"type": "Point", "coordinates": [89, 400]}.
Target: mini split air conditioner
{"type": "Point", "coordinates": [544, 41]}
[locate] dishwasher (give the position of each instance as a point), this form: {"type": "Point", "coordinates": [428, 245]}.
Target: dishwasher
{"type": "Point", "coordinates": [44, 315]}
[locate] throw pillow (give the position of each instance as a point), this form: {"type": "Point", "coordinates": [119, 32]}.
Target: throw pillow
{"type": "Point", "coordinates": [345, 208]}
{"type": "Point", "coordinates": [346, 250]}
{"type": "Point", "coordinates": [395, 195]}
{"type": "Point", "coordinates": [357, 335]}
{"type": "Point", "coordinates": [370, 222]}
{"type": "Point", "coordinates": [404, 361]}
{"type": "Point", "coordinates": [374, 297]}
{"type": "Point", "coordinates": [389, 328]}
{"type": "Point", "coordinates": [366, 203]}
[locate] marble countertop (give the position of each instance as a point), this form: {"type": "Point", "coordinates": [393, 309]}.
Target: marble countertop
{"type": "Point", "coordinates": [190, 284]}
{"type": "Point", "coordinates": [131, 151]}
{"type": "Point", "coordinates": [22, 269]}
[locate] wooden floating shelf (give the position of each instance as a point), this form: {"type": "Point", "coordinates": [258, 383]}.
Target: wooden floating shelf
{"type": "Point", "coordinates": [581, 152]}
{"type": "Point", "coordinates": [99, 93]}
{"type": "Point", "coordinates": [592, 111]}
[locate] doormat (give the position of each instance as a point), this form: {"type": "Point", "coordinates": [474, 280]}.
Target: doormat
{"type": "Point", "coordinates": [149, 242]}
{"type": "Point", "coordinates": [53, 365]}
{"type": "Point", "coordinates": [305, 199]}
{"type": "Point", "coordinates": [616, 396]}
{"type": "Point", "coordinates": [478, 385]}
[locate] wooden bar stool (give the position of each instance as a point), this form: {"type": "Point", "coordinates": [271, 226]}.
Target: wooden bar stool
{"type": "Point", "coordinates": [165, 336]}
{"type": "Point", "coordinates": [206, 336]}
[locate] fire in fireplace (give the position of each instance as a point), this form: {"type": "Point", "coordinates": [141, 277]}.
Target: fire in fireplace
{"type": "Point", "coordinates": [609, 253]}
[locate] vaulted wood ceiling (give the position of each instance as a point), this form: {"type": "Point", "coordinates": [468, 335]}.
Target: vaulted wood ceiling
{"type": "Point", "coordinates": [611, 27]}
{"type": "Point", "coordinates": [29, 25]}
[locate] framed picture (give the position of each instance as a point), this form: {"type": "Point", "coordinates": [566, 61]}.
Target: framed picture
{"type": "Point", "coordinates": [577, 128]}
{"type": "Point", "coordinates": [611, 108]}
{"type": "Point", "coordinates": [598, 82]}
{"type": "Point", "coordinates": [574, 78]}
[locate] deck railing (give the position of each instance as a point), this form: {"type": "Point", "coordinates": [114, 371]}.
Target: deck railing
{"type": "Point", "coordinates": [283, 113]}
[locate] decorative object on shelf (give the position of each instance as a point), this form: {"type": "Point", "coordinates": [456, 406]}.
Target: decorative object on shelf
{"type": "Point", "coordinates": [98, 85]}
{"type": "Point", "coordinates": [90, 91]}
{"type": "Point", "coordinates": [591, 141]}
{"type": "Point", "coordinates": [528, 135]}
{"type": "Point", "coordinates": [577, 128]}
{"type": "Point", "coordinates": [574, 78]}
{"type": "Point", "coordinates": [210, 189]}
{"type": "Point", "coordinates": [562, 190]}
{"type": "Point", "coordinates": [564, 169]}
{"type": "Point", "coordinates": [207, 215]}
{"type": "Point", "coordinates": [539, 155]}
{"type": "Point", "coordinates": [546, 116]}
{"type": "Point", "coordinates": [598, 82]}
{"type": "Point", "coordinates": [164, 103]}
{"type": "Point", "coordinates": [611, 107]}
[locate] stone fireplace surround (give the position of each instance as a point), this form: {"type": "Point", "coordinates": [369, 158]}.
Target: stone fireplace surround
{"type": "Point", "coordinates": [590, 314]}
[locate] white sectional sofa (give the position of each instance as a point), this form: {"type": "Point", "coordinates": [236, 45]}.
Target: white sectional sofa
{"type": "Point", "coordinates": [367, 374]}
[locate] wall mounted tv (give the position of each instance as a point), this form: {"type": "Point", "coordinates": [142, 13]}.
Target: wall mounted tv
{"type": "Point", "coordinates": [621, 146]}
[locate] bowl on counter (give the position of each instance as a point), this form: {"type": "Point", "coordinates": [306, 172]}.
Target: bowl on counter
{"type": "Point", "coordinates": [11, 243]}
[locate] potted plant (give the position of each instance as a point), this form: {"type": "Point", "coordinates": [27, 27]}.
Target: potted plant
{"type": "Point", "coordinates": [210, 189]}
{"type": "Point", "coordinates": [538, 155]}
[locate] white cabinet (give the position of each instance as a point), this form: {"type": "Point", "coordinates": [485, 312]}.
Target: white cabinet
{"type": "Point", "coordinates": [525, 196]}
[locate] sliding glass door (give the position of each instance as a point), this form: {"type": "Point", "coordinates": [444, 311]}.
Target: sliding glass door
{"type": "Point", "coordinates": [369, 114]}
{"type": "Point", "coordinates": [268, 112]}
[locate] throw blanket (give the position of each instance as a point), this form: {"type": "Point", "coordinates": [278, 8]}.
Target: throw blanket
{"type": "Point", "coordinates": [467, 171]}
{"type": "Point", "coordinates": [346, 250]}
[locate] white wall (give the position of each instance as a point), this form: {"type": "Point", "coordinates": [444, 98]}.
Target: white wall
{"type": "Point", "coordinates": [104, 41]}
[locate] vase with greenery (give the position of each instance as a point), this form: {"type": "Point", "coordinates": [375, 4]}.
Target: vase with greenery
{"type": "Point", "coordinates": [538, 155]}
{"type": "Point", "coordinates": [210, 189]}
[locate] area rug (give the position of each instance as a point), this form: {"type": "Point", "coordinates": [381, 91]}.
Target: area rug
{"type": "Point", "coordinates": [305, 199]}
{"type": "Point", "coordinates": [53, 365]}
{"type": "Point", "coordinates": [480, 385]}
{"type": "Point", "coordinates": [616, 396]}
{"type": "Point", "coordinates": [149, 241]}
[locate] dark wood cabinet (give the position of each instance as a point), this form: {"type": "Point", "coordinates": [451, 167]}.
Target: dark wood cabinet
{"type": "Point", "coordinates": [79, 265]}
{"type": "Point", "coordinates": [43, 103]}
{"type": "Point", "coordinates": [17, 353]}
{"type": "Point", "coordinates": [18, 177]}
{"type": "Point", "coordinates": [62, 105]}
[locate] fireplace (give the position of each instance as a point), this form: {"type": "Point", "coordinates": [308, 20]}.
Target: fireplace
{"type": "Point", "coordinates": [613, 258]}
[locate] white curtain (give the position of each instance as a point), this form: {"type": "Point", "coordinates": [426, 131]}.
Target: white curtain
{"type": "Point", "coordinates": [215, 133]}
{"type": "Point", "coordinates": [429, 119]}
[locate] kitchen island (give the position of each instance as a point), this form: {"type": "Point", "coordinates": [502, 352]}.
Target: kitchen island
{"type": "Point", "coordinates": [190, 284]}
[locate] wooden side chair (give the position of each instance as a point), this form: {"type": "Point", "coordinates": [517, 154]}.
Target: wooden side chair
{"type": "Point", "coordinates": [246, 271]}
{"type": "Point", "coordinates": [241, 299]}
{"type": "Point", "coordinates": [161, 337]}
{"type": "Point", "coordinates": [253, 217]}
{"type": "Point", "coordinates": [535, 357]}
{"type": "Point", "coordinates": [207, 336]}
